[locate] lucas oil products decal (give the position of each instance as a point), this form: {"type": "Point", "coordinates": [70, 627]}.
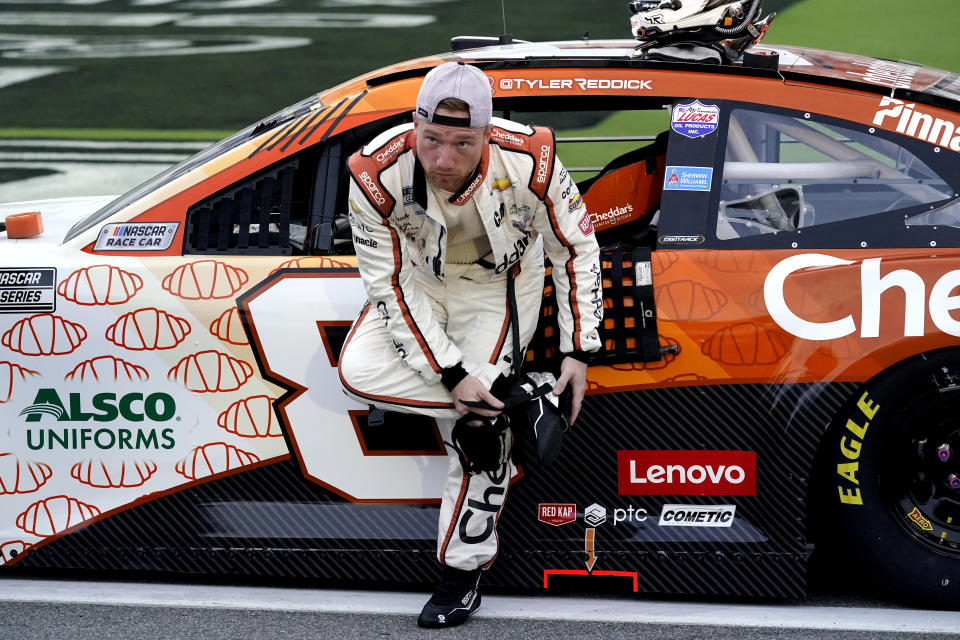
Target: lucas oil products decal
{"type": "Point", "coordinates": [695, 120]}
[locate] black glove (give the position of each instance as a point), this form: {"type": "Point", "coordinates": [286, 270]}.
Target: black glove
{"type": "Point", "coordinates": [482, 443]}
{"type": "Point", "coordinates": [530, 399]}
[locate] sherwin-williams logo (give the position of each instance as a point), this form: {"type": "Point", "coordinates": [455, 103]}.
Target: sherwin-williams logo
{"type": "Point", "coordinates": [104, 407]}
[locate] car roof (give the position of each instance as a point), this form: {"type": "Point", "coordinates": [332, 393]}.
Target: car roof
{"type": "Point", "coordinates": [390, 91]}
{"type": "Point", "coordinates": [813, 65]}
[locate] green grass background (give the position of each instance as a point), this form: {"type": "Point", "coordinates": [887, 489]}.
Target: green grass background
{"type": "Point", "coordinates": [209, 96]}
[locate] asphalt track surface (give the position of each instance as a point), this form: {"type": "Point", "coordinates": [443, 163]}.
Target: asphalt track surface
{"type": "Point", "coordinates": [37, 608]}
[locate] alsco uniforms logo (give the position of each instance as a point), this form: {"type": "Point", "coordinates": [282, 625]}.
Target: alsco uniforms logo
{"type": "Point", "coordinates": [130, 409]}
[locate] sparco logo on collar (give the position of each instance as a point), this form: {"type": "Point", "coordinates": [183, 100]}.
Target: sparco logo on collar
{"type": "Point", "coordinates": [372, 188]}
{"type": "Point", "coordinates": [917, 124]}
{"type": "Point", "coordinates": [544, 164]}
{"type": "Point", "coordinates": [687, 473]}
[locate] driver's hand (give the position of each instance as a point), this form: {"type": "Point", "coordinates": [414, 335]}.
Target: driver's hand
{"type": "Point", "coordinates": [471, 389]}
{"type": "Point", "coordinates": [574, 372]}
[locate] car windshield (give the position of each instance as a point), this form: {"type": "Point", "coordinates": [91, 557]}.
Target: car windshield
{"type": "Point", "coordinates": [191, 163]}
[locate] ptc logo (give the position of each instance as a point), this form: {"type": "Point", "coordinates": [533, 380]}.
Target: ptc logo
{"type": "Point", "coordinates": [595, 515]}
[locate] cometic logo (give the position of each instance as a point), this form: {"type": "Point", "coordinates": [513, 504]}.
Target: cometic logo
{"type": "Point", "coordinates": [685, 515]}
{"type": "Point", "coordinates": [704, 473]}
{"type": "Point", "coordinates": [372, 188]}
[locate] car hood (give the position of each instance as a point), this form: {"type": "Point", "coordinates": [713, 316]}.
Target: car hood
{"type": "Point", "coordinates": [58, 216]}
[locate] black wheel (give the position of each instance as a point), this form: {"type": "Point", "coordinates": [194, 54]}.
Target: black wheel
{"type": "Point", "coordinates": [891, 483]}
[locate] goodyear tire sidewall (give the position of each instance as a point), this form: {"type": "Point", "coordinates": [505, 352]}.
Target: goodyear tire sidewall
{"type": "Point", "coordinates": [873, 535]}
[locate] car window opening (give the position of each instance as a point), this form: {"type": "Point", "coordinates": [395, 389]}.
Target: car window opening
{"type": "Point", "coordinates": [783, 173]}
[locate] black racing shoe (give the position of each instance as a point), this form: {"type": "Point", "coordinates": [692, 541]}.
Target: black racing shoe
{"type": "Point", "coordinates": [454, 599]}
{"type": "Point", "coordinates": [547, 418]}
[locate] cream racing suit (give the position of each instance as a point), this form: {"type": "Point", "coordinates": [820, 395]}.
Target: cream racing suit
{"type": "Point", "coordinates": [431, 322]}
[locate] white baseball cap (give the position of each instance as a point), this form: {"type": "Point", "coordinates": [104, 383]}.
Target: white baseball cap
{"type": "Point", "coordinates": [460, 81]}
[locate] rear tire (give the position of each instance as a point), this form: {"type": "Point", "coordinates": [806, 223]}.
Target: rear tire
{"type": "Point", "coordinates": [891, 482]}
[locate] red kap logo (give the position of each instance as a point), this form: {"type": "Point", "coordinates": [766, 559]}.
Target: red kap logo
{"type": "Point", "coordinates": [687, 473]}
{"type": "Point", "coordinates": [557, 514]}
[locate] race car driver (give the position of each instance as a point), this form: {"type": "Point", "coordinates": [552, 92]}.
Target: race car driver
{"type": "Point", "coordinates": [451, 216]}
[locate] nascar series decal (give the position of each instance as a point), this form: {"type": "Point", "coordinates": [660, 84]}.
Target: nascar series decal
{"type": "Point", "coordinates": [136, 236]}
{"type": "Point", "coordinates": [695, 120]}
{"type": "Point", "coordinates": [28, 290]}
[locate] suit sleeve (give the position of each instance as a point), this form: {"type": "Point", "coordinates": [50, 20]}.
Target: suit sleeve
{"type": "Point", "coordinates": [572, 247]}
{"type": "Point", "coordinates": [386, 267]}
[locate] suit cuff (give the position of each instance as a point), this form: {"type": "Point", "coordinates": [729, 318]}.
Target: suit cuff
{"type": "Point", "coordinates": [451, 376]}
{"type": "Point", "coordinates": [585, 357]}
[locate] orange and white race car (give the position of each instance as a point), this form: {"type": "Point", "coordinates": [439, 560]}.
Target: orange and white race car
{"type": "Point", "coordinates": [782, 367]}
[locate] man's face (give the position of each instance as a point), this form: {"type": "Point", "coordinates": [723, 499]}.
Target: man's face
{"type": "Point", "coordinates": [449, 154]}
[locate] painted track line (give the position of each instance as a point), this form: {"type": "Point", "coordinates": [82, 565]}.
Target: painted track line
{"type": "Point", "coordinates": [502, 607]}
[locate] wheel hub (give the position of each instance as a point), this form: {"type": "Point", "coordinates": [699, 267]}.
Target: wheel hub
{"type": "Point", "coordinates": [923, 489]}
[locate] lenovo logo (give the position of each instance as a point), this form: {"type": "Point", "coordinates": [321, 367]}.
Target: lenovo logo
{"type": "Point", "coordinates": [687, 473]}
